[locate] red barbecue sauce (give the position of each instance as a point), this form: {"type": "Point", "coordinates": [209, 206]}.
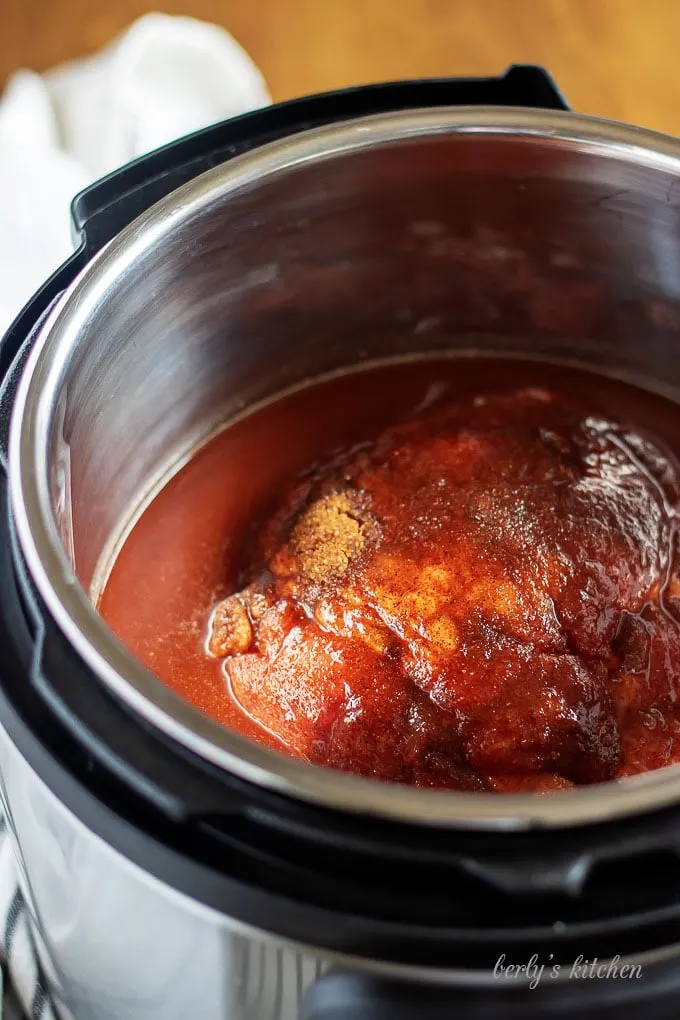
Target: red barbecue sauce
{"type": "Point", "coordinates": [454, 573]}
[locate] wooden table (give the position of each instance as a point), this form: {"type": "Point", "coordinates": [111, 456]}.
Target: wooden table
{"type": "Point", "coordinates": [615, 58]}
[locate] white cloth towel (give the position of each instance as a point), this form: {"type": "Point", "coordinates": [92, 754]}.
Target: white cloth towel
{"type": "Point", "coordinates": [165, 77]}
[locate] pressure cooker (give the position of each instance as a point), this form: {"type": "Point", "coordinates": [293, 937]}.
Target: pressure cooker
{"type": "Point", "coordinates": [173, 869]}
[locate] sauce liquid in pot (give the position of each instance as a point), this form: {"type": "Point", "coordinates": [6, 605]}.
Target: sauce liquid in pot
{"type": "Point", "coordinates": [190, 546]}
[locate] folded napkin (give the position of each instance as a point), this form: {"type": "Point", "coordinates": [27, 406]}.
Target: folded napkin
{"type": "Point", "coordinates": [163, 78]}
{"type": "Point", "coordinates": [166, 76]}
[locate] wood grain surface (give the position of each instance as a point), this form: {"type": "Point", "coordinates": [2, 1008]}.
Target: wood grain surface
{"type": "Point", "coordinates": [615, 58]}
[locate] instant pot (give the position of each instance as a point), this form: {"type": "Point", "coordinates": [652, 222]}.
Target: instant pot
{"type": "Point", "coordinates": [171, 868]}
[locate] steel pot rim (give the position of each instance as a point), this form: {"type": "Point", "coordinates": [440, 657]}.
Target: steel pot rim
{"type": "Point", "coordinates": [75, 614]}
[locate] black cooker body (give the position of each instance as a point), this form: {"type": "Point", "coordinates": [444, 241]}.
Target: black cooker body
{"type": "Point", "coordinates": [423, 900]}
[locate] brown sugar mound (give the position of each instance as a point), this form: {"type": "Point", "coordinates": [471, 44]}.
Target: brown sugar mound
{"type": "Point", "coordinates": [325, 540]}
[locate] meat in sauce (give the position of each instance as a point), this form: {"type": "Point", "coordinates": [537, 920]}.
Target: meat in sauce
{"type": "Point", "coordinates": [481, 598]}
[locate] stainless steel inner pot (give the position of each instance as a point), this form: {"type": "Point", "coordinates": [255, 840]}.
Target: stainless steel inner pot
{"type": "Point", "coordinates": [469, 231]}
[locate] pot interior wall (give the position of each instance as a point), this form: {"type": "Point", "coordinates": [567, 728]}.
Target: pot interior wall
{"type": "Point", "coordinates": [491, 243]}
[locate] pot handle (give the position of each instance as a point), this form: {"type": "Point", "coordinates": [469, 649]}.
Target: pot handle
{"type": "Point", "coordinates": [106, 208]}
